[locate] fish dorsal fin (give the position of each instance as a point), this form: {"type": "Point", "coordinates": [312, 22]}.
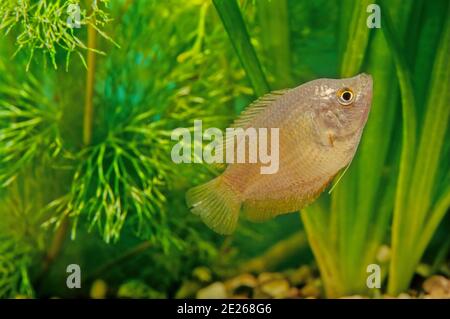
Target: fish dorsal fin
{"type": "Point", "coordinates": [255, 108]}
{"type": "Point", "coordinates": [244, 119]}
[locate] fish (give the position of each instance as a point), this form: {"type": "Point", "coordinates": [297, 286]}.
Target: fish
{"type": "Point", "coordinates": [320, 126]}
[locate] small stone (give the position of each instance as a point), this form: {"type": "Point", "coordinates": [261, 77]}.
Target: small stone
{"type": "Point", "coordinates": [269, 276]}
{"type": "Point", "coordinates": [353, 297]}
{"type": "Point", "coordinates": [299, 276]}
{"type": "Point", "coordinates": [241, 296]}
{"type": "Point", "coordinates": [437, 287]}
{"type": "Point", "coordinates": [99, 289]}
{"type": "Point", "coordinates": [247, 280]}
{"type": "Point", "coordinates": [277, 288]}
{"type": "Point", "coordinates": [404, 295]}
{"type": "Point", "coordinates": [203, 274]}
{"type": "Point", "coordinates": [383, 254]}
{"type": "Point", "coordinates": [187, 290]}
{"type": "Point", "coordinates": [310, 290]}
{"type": "Point", "coordinates": [138, 289]}
{"type": "Point", "coordinates": [293, 293]}
{"type": "Point", "coordinates": [241, 285]}
{"type": "Point", "coordinates": [259, 294]}
{"type": "Point", "coordinates": [214, 291]}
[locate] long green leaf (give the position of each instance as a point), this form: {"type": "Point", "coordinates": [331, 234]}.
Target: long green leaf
{"type": "Point", "coordinates": [419, 220]}
{"type": "Point", "coordinates": [355, 49]}
{"type": "Point", "coordinates": [232, 19]}
{"type": "Point", "coordinates": [408, 137]}
{"type": "Point", "coordinates": [274, 21]}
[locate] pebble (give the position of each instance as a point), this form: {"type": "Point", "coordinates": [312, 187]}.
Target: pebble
{"type": "Point", "coordinates": [241, 286]}
{"type": "Point", "coordinates": [216, 290]}
{"type": "Point", "coordinates": [437, 287]}
{"type": "Point", "coordinates": [310, 290]}
{"type": "Point", "coordinates": [268, 276]}
{"type": "Point", "coordinates": [202, 274]}
{"type": "Point", "coordinates": [299, 276]}
{"type": "Point", "coordinates": [99, 289]}
{"type": "Point", "coordinates": [277, 288]}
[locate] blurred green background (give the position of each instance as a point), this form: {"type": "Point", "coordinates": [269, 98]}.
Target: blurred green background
{"type": "Point", "coordinates": [85, 121]}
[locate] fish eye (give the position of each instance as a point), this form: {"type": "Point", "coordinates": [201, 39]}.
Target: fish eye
{"type": "Point", "coordinates": [345, 96]}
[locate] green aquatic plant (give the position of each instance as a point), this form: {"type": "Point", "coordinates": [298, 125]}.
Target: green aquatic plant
{"type": "Point", "coordinates": [358, 215]}
{"type": "Point", "coordinates": [362, 208]}
{"type": "Point", "coordinates": [51, 25]}
{"type": "Point", "coordinates": [108, 163]}
{"type": "Point", "coordinates": [100, 169]}
{"type": "Point", "coordinates": [14, 278]}
{"type": "Point", "coordinates": [348, 231]}
{"type": "Point", "coordinates": [419, 204]}
{"type": "Point", "coordinates": [234, 24]}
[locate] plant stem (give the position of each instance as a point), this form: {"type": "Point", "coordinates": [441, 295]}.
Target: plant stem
{"type": "Point", "coordinates": [90, 80]}
{"type": "Point", "coordinates": [54, 250]}
{"type": "Point", "coordinates": [61, 232]}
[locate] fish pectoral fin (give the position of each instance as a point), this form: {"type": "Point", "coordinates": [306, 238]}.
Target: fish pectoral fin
{"type": "Point", "coordinates": [331, 138]}
{"type": "Point", "coordinates": [326, 139]}
{"type": "Point", "coordinates": [323, 137]}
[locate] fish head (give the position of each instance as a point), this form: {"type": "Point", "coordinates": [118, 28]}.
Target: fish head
{"type": "Point", "coordinates": [342, 106]}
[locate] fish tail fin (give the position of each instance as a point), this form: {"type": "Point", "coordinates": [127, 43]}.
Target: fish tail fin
{"type": "Point", "coordinates": [216, 204]}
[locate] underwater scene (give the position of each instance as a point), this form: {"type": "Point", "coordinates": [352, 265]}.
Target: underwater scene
{"type": "Point", "coordinates": [224, 149]}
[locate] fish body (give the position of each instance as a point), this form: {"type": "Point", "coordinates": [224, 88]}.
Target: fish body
{"type": "Point", "coordinates": [320, 125]}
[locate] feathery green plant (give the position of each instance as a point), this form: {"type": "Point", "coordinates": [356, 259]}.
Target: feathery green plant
{"type": "Point", "coordinates": [123, 184]}
{"type": "Point", "coordinates": [42, 25]}
{"type": "Point", "coordinates": [124, 175]}
{"type": "Point", "coordinates": [28, 127]}
{"type": "Point", "coordinates": [14, 278]}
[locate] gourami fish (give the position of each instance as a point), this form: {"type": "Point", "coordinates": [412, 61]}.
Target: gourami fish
{"type": "Point", "coordinates": [320, 125]}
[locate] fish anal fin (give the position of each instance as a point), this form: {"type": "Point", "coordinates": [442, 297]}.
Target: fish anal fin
{"type": "Point", "coordinates": [216, 204]}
